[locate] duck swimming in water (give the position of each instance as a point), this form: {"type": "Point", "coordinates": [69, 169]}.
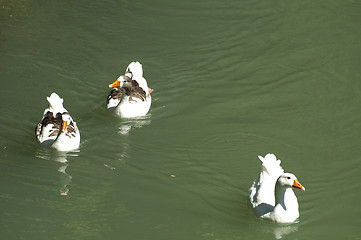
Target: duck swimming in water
{"type": "Point", "coordinates": [130, 96]}
{"type": "Point", "coordinates": [57, 129]}
{"type": "Point", "coordinates": [271, 195]}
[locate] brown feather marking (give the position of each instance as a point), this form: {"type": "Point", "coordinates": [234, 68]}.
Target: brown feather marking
{"type": "Point", "coordinates": [50, 119]}
{"type": "Point", "coordinates": [116, 93]}
{"type": "Point", "coordinates": [135, 91]}
{"type": "Point", "coordinates": [71, 130]}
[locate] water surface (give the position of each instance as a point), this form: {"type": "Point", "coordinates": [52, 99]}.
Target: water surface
{"type": "Point", "coordinates": [232, 80]}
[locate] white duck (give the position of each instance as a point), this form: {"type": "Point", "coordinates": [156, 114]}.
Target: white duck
{"type": "Point", "coordinates": [137, 100]}
{"type": "Point", "coordinates": [57, 128]}
{"type": "Point", "coordinates": [271, 196]}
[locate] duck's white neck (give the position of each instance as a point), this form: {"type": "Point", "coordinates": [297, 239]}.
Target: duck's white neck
{"type": "Point", "coordinates": [286, 208]}
{"type": "Point", "coordinates": [286, 198]}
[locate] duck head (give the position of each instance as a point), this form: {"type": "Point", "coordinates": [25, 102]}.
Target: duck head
{"type": "Point", "coordinates": [289, 180]}
{"type": "Point", "coordinates": [122, 81]}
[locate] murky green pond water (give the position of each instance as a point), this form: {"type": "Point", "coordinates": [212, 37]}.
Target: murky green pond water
{"type": "Point", "coordinates": [232, 80]}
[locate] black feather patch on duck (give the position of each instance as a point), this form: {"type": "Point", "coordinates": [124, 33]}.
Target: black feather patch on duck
{"type": "Point", "coordinates": [50, 119]}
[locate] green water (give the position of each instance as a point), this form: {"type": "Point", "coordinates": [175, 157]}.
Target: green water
{"type": "Point", "coordinates": [232, 80]}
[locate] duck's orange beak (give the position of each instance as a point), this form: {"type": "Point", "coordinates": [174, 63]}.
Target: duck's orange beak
{"type": "Point", "coordinates": [65, 125]}
{"type": "Point", "coordinates": [297, 184]}
{"type": "Point", "coordinates": [115, 84]}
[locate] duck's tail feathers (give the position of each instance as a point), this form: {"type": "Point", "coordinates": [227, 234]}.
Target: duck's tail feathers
{"type": "Point", "coordinates": [55, 102]}
{"type": "Point", "coordinates": [135, 68]}
{"type": "Point", "coordinates": [271, 165]}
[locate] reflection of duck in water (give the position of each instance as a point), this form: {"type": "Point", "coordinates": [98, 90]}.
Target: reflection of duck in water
{"type": "Point", "coordinates": [60, 157]}
{"type": "Point", "coordinates": [65, 178]}
{"type": "Point", "coordinates": [282, 231]}
{"type": "Point", "coordinates": [128, 124]}
{"type": "Point", "coordinates": [57, 128]}
{"type": "Point", "coordinates": [136, 100]}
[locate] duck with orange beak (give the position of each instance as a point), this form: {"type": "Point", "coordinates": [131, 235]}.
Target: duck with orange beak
{"type": "Point", "coordinates": [57, 129]}
{"type": "Point", "coordinates": [130, 96]}
{"type": "Point", "coordinates": [271, 196]}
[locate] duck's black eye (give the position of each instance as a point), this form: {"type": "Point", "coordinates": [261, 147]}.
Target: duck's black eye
{"type": "Point", "coordinates": [288, 177]}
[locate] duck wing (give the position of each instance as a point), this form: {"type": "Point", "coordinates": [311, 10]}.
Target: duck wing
{"type": "Point", "coordinates": [114, 97]}
{"type": "Point", "coordinates": [48, 129]}
{"type": "Point", "coordinates": [72, 130]}
{"type": "Point", "coordinates": [135, 91]}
